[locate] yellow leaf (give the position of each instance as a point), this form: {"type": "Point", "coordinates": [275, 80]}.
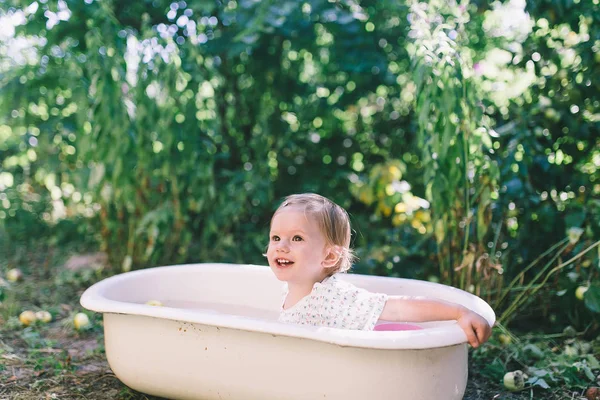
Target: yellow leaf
{"type": "Point", "coordinates": [400, 208]}
{"type": "Point", "coordinates": [398, 219]}
{"type": "Point", "coordinates": [395, 172]}
{"type": "Point", "coordinates": [385, 209]}
{"type": "Point", "coordinates": [423, 216]}
{"type": "Point", "coordinates": [440, 231]}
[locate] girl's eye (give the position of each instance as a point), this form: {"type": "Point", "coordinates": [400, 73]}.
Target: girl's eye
{"type": "Point", "coordinates": [275, 238]}
{"type": "Point", "coordinates": [297, 238]}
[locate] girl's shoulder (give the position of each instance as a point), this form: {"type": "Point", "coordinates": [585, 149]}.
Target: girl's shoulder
{"type": "Point", "coordinates": [333, 283]}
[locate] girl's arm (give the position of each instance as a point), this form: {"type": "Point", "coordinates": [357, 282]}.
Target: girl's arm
{"type": "Point", "coordinates": [420, 309]}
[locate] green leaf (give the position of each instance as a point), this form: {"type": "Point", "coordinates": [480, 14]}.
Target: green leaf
{"type": "Point", "coordinates": [534, 350]}
{"type": "Point", "coordinates": [588, 373]}
{"type": "Point", "coordinates": [592, 299]}
{"type": "Point", "coordinates": [541, 383]}
{"type": "Point", "coordinates": [486, 140]}
{"type": "Point", "coordinates": [592, 361]}
{"type": "Point", "coordinates": [575, 218]}
{"type": "Point", "coordinates": [482, 224]}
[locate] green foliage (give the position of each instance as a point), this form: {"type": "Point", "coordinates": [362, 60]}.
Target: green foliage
{"type": "Point", "coordinates": [550, 135]}
{"type": "Point", "coordinates": [40, 359]}
{"type": "Point", "coordinates": [574, 275]}
{"type": "Point", "coordinates": [592, 299]}
{"type": "Point", "coordinates": [459, 175]}
{"type": "Point", "coordinates": [550, 362]}
{"type": "Point", "coordinates": [464, 144]}
{"type": "Point", "coordinates": [185, 148]}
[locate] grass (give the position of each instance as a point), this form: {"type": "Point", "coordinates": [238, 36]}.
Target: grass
{"type": "Point", "coordinates": [52, 360]}
{"type": "Point", "coordinates": [55, 361]}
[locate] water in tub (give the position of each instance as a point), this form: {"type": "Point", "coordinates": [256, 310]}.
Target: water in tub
{"type": "Point", "coordinates": [252, 312]}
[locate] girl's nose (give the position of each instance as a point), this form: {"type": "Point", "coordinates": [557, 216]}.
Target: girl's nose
{"type": "Point", "coordinates": [283, 246]}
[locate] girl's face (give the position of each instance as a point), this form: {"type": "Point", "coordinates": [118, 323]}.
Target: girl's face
{"type": "Point", "coordinates": [297, 248]}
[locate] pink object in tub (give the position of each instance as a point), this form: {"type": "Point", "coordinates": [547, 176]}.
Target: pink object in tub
{"type": "Point", "coordinates": [217, 337]}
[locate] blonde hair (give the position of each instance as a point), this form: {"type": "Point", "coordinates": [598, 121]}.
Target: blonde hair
{"type": "Point", "coordinates": [333, 221]}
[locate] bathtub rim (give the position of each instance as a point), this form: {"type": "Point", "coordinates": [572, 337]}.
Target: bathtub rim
{"type": "Point", "coordinates": [450, 334]}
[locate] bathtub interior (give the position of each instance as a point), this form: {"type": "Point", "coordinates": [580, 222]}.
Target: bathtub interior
{"type": "Point", "coordinates": [253, 291]}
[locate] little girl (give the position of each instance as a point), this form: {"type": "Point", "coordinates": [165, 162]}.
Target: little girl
{"type": "Point", "coordinates": [310, 245]}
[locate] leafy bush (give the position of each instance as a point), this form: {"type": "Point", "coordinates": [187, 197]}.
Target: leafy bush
{"type": "Point", "coordinates": [464, 144]}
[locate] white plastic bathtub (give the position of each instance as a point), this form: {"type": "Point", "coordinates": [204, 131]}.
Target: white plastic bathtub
{"type": "Point", "coordinates": [217, 337]}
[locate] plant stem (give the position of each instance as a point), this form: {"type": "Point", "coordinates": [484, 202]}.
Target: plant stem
{"type": "Point", "coordinates": [496, 237]}
{"type": "Point", "coordinates": [561, 266]}
{"type": "Point", "coordinates": [516, 304]}
{"type": "Point", "coordinates": [534, 262]}
{"type": "Point", "coordinates": [518, 301]}
{"type": "Point", "coordinates": [465, 136]}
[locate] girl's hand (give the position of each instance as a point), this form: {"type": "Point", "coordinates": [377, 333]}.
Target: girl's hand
{"type": "Point", "coordinates": [476, 328]}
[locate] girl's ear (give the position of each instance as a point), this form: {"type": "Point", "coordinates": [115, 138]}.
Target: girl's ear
{"type": "Point", "coordinates": [332, 256]}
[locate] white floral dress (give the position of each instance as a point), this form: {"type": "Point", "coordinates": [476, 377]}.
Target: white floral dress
{"type": "Point", "coordinates": [336, 304]}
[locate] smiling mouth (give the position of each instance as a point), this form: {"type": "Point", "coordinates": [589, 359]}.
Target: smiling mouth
{"type": "Point", "coordinates": [282, 262]}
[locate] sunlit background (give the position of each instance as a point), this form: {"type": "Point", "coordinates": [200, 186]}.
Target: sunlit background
{"type": "Point", "coordinates": [463, 138]}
